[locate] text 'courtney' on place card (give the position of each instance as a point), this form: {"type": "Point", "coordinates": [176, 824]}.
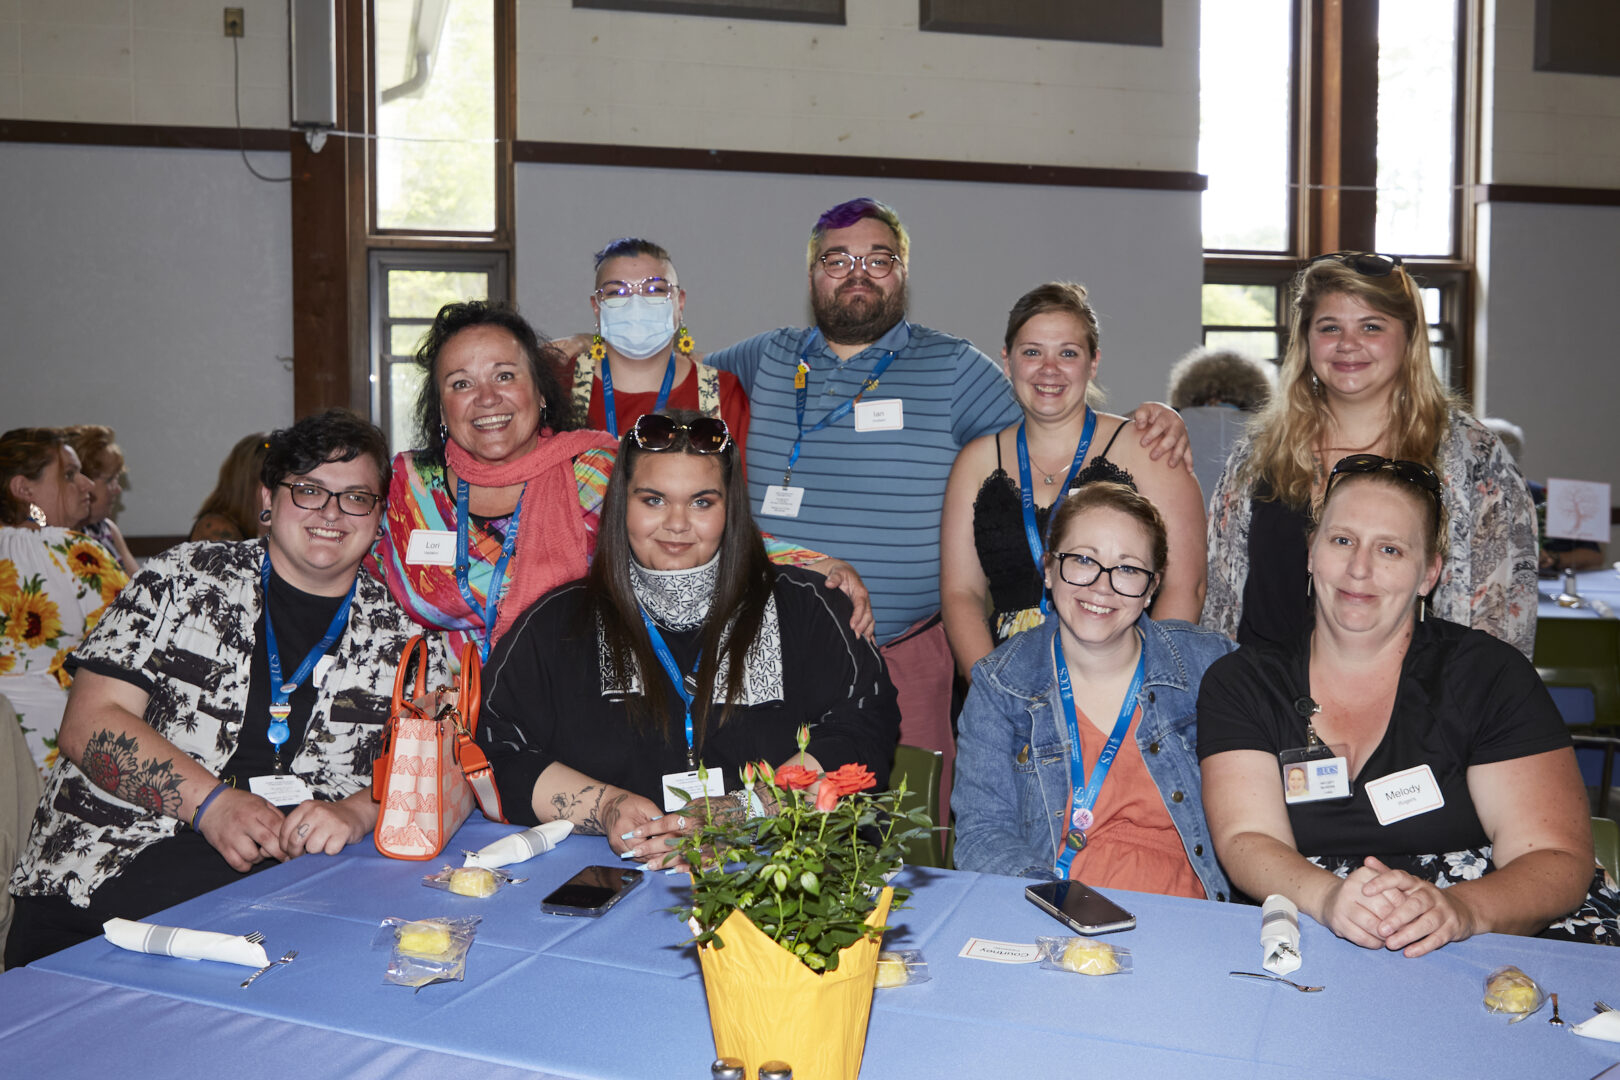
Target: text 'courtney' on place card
{"type": "Point", "coordinates": [1578, 510]}
{"type": "Point", "coordinates": [1000, 952]}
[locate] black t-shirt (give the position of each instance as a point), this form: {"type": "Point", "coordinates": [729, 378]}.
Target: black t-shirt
{"type": "Point", "coordinates": [1464, 698]}
{"type": "Point", "coordinates": [1276, 609]}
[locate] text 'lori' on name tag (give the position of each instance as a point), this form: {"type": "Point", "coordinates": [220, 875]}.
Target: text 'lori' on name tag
{"type": "Point", "coordinates": [431, 547]}
{"type": "Point", "coordinates": [884, 414]}
{"type": "Point", "coordinates": [1404, 794]}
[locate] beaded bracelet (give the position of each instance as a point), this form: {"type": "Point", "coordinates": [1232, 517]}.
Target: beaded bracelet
{"type": "Point", "coordinates": [196, 815]}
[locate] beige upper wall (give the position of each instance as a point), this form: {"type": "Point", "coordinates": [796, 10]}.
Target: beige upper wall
{"type": "Point", "coordinates": [141, 62]}
{"type": "Point", "coordinates": [876, 87]}
{"type": "Point", "coordinates": [1543, 127]}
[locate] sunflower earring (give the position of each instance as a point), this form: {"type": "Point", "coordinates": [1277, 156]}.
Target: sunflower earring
{"type": "Point", "coordinates": [683, 341]}
{"type": "Point", "coordinates": [598, 347]}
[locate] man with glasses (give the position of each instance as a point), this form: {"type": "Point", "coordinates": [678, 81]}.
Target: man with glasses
{"type": "Point", "coordinates": [855, 423]}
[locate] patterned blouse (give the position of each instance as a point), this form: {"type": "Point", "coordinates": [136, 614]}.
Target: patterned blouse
{"type": "Point", "coordinates": [54, 585]}
{"type": "Point", "coordinates": [186, 626]}
{"type": "Point", "coordinates": [1489, 577]}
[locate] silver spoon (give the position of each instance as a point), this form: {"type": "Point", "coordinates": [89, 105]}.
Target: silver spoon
{"type": "Point", "coordinates": [1277, 978]}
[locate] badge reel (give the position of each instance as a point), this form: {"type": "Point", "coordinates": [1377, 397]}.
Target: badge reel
{"type": "Point", "coordinates": [1312, 772]}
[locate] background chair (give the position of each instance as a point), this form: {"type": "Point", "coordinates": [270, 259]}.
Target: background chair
{"type": "Point", "coordinates": [1585, 654]}
{"type": "Point", "coordinates": [1606, 839]}
{"type": "Point", "coordinates": [920, 768]}
{"type": "Point", "coordinates": [19, 795]}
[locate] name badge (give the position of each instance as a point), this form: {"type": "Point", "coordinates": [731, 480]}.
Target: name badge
{"type": "Point", "coordinates": [884, 414]}
{"type": "Point", "coordinates": [1404, 794]}
{"type": "Point", "coordinates": [781, 501]}
{"type": "Point", "coordinates": [1317, 778]}
{"type": "Point", "coordinates": [431, 547]}
{"type": "Point", "coordinates": [280, 790]}
{"type": "Point", "coordinates": [694, 785]}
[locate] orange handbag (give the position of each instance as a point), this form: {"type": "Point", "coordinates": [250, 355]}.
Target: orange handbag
{"type": "Point", "coordinates": [430, 770]}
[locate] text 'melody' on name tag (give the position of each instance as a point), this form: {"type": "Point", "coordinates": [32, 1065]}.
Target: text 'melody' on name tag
{"type": "Point", "coordinates": [431, 547]}
{"type": "Point", "coordinates": [1404, 794]}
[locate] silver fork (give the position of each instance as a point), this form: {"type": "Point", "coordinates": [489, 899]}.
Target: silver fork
{"type": "Point", "coordinates": [1277, 978]}
{"type": "Point", "coordinates": [1602, 1006]}
{"type": "Point", "coordinates": [287, 958]}
{"type": "Point", "coordinates": [254, 938]}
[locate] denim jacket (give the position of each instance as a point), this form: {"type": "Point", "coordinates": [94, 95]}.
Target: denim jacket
{"type": "Point", "coordinates": [1012, 758]}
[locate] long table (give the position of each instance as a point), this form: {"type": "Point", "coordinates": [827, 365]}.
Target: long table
{"type": "Point", "coordinates": [1603, 584]}
{"type": "Point", "coordinates": [622, 997]}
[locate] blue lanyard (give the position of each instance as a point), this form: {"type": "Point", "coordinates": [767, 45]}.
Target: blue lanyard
{"type": "Point", "coordinates": [666, 658]}
{"type": "Point", "coordinates": [490, 612]}
{"type": "Point", "coordinates": [844, 408]}
{"type": "Point", "coordinates": [1085, 794]}
{"type": "Point", "coordinates": [608, 410]}
{"type": "Point", "coordinates": [281, 690]}
{"type": "Point", "coordinates": [1027, 493]}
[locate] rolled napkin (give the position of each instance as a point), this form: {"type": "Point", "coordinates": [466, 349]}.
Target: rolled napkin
{"type": "Point", "coordinates": [1279, 935]}
{"type": "Point", "coordinates": [186, 944]}
{"type": "Point", "coordinates": [520, 846]}
{"type": "Point", "coordinates": [1605, 1026]}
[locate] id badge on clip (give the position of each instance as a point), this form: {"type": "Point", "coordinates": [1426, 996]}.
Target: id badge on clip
{"type": "Point", "coordinates": [695, 786]}
{"type": "Point", "coordinates": [1312, 773]}
{"type": "Point", "coordinates": [431, 547]}
{"type": "Point", "coordinates": [280, 789]}
{"type": "Point", "coordinates": [781, 501]}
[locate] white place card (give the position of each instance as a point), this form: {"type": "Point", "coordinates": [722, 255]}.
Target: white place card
{"type": "Point", "coordinates": [1001, 952]}
{"type": "Point", "coordinates": [1578, 510]}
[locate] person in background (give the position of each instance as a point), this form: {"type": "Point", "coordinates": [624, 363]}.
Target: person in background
{"type": "Point", "coordinates": [1557, 553]}
{"type": "Point", "coordinates": [1357, 379]}
{"type": "Point", "coordinates": [991, 536]}
{"type": "Point", "coordinates": [641, 356]}
{"type": "Point", "coordinates": [855, 460]}
{"type": "Point", "coordinates": [1078, 740]}
{"type": "Point", "coordinates": [102, 460]}
{"type": "Point", "coordinates": [55, 582]}
{"type": "Point", "coordinates": [186, 759]}
{"type": "Point", "coordinates": [1442, 798]}
{"type": "Point", "coordinates": [683, 645]}
{"type": "Point", "coordinates": [232, 509]}
{"type": "Point", "coordinates": [1216, 391]}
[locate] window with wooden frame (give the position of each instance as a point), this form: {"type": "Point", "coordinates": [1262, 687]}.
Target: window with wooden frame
{"type": "Point", "coordinates": [1331, 126]}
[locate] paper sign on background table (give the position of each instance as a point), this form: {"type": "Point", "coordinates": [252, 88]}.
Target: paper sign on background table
{"type": "Point", "coordinates": [1578, 510]}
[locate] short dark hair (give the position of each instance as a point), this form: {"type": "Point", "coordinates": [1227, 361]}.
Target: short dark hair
{"type": "Point", "coordinates": [736, 612]}
{"type": "Point", "coordinates": [25, 452]}
{"type": "Point", "coordinates": [628, 247]}
{"type": "Point", "coordinates": [333, 435]}
{"type": "Point", "coordinates": [543, 363]}
{"type": "Point", "coordinates": [1208, 376]}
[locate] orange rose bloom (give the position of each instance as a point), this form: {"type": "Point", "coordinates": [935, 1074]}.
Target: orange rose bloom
{"type": "Point", "coordinates": [849, 779]}
{"type": "Point", "coordinates": [795, 777]}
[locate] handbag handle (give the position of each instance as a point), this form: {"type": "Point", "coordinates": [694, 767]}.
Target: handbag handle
{"type": "Point", "coordinates": [471, 687]}
{"type": "Point", "coordinates": [418, 646]}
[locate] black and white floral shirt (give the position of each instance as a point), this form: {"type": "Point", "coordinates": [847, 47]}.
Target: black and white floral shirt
{"type": "Point", "coordinates": [185, 626]}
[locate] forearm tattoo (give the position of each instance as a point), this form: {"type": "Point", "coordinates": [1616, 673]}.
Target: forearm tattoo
{"type": "Point", "coordinates": [109, 761]}
{"type": "Point", "coordinates": [586, 809]}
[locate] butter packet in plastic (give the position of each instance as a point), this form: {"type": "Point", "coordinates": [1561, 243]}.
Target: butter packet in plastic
{"type": "Point", "coordinates": [1513, 993]}
{"type": "Point", "coordinates": [473, 881]}
{"type": "Point", "coordinates": [427, 951]}
{"type": "Point", "coordinates": [902, 967]}
{"type": "Point", "coordinates": [1084, 956]}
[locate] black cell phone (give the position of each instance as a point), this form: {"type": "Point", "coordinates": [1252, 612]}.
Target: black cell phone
{"type": "Point", "coordinates": [591, 891]}
{"type": "Point", "coordinates": [1080, 907]}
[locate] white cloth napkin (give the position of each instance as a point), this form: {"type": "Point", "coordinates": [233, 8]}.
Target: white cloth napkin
{"type": "Point", "coordinates": [521, 846]}
{"type": "Point", "coordinates": [186, 944]}
{"type": "Point", "coordinates": [1605, 1026]}
{"type": "Point", "coordinates": [1279, 935]}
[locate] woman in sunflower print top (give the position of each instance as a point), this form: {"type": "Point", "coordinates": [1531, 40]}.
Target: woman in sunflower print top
{"type": "Point", "coordinates": [54, 582]}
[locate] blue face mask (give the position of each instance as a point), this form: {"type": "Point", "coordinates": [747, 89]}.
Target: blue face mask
{"type": "Point", "coordinates": [640, 327]}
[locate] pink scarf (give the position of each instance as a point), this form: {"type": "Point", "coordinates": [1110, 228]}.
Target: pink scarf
{"type": "Point", "coordinates": [551, 535]}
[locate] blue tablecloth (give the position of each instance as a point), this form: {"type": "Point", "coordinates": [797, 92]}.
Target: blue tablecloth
{"type": "Point", "coordinates": [622, 997]}
{"type": "Point", "coordinates": [1601, 584]}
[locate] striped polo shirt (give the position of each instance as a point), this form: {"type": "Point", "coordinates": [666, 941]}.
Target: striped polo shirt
{"type": "Point", "coordinates": [873, 498]}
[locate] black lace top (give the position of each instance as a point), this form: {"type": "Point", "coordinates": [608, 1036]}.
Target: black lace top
{"type": "Point", "coordinates": [998, 536]}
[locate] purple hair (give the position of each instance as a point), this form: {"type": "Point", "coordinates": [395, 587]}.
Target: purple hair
{"type": "Point", "coordinates": [848, 213]}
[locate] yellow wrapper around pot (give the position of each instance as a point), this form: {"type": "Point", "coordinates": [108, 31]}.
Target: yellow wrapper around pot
{"type": "Point", "coordinates": [765, 1005]}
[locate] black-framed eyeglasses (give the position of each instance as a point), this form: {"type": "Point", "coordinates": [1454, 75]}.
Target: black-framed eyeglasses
{"type": "Point", "coordinates": [615, 294]}
{"type": "Point", "coordinates": [315, 497]}
{"type": "Point", "coordinates": [656, 432]}
{"type": "Point", "coordinates": [1365, 263]}
{"type": "Point", "coordinates": [840, 264]}
{"type": "Point", "coordinates": [1413, 472]}
{"type": "Point", "coordinates": [1079, 569]}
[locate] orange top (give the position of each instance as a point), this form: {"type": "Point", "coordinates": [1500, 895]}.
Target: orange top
{"type": "Point", "coordinates": [1132, 843]}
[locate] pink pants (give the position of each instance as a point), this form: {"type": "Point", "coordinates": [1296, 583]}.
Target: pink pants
{"type": "Point", "coordinates": [921, 668]}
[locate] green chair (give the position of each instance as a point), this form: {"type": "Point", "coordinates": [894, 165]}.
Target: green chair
{"type": "Point", "coordinates": [1585, 654]}
{"type": "Point", "coordinates": [920, 769]}
{"type": "Point", "coordinates": [1606, 839]}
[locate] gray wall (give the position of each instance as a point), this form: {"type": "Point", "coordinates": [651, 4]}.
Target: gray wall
{"type": "Point", "coordinates": [738, 240]}
{"type": "Point", "coordinates": [150, 290]}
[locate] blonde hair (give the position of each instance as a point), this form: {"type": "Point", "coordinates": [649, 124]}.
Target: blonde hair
{"type": "Point", "coordinates": [1286, 432]}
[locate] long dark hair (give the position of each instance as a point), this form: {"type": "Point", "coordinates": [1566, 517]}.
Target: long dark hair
{"type": "Point", "coordinates": [544, 362]}
{"type": "Point", "coordinates": [740, 593]}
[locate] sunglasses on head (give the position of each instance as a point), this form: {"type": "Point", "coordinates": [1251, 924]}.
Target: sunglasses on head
{"type": "Point", "coordinates": [1365, 263]}
{"type": "Point", "coordinates": [1413, 472]}
{"type": "Point", "coordinates": [706, 434]}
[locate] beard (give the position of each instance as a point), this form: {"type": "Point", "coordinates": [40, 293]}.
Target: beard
{"type": "Point", "coordinates": [861, 319]}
